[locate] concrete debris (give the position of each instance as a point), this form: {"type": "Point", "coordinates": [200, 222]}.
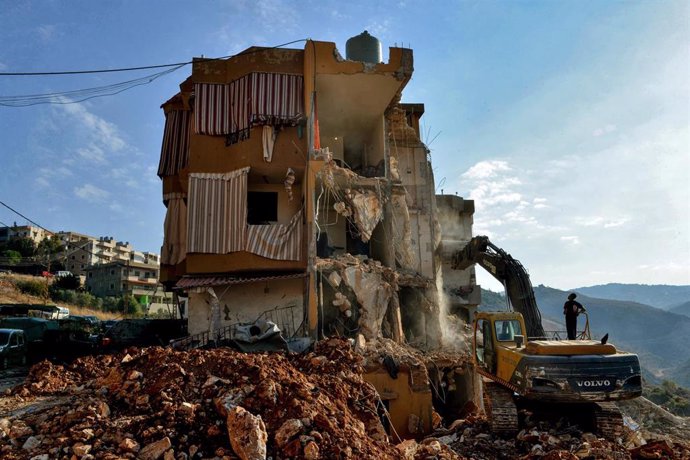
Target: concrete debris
{"type": "Point", "coordinates": [472, 438]}
{"type": "Point", "coordinates": [407, 359]}
{"type": "Point", "coordinates": [165, 404]}
{"type": "Point", "coordinates": [368, 212]}
{"type": "Point", "coordinates": [274, 405]}
{"type": "Point", "coordinates": [402, 233]}
{"type": "Point", "coordinates": [247, 434]}
{"type": "Point", "coordinates": [373, 294]}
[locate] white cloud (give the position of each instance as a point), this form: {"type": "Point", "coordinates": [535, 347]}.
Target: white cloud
{"type": "Point", "coordinates": [379, 29]}
{"type": "Point", "coordinates": [91, 193]}
{"type": "Point", "coordinates": [47, 32]}
{"type": "Point", "coordinates": [42, 182]}
{"type": "Point", "coordinates": [116, 207]}
{"type": "Point", "coordinates": [574, 240]}
{"type": "Point", "coordinates": [335, 14]}
{"type": "Point", "coordinates": [101, 132]}
{"type": "Point", "coordinates": [486, 169]}
{"type": "Point", "coordinates": [92, 153]}
{"type": "Point", "coordinates": [604, 130]}
{"type": "Point", "coordinates": [600, 221]}
{"type": "Point", "coordinates": [540, 203]}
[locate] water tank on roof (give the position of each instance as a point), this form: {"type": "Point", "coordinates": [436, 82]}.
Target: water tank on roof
{"type": "Point", "coordinates": [364, 48]}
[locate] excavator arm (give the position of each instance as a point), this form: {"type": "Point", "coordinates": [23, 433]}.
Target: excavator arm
{"type": "Point", "coordinates": [509, 272]}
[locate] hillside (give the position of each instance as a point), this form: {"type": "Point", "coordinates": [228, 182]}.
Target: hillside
{"type": "Point", "coordinates": [658, 336]}
{"type": "Point", "coordinates": [10, 294]}
{"type": "Point", "coordinates": [657, 295]}
{"type": "Point", "coordinates": [682, 309]}
{"type": "Point", "coordinates": [681, 374]}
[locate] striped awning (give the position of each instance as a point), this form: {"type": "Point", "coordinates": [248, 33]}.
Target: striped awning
{"type": "Point", "coordinates": [174, 248]}
{"type": "Point", "coordinates": [217, 210]}
{"type": "Point", "coordinates": [217, 220]}
{"type": "Point", "coordinates": [175, 148]}
{"type": "Point", "coordinates": [277, 241]}
{"type": "Point", "coordinates": [256, 98]}
{"type": "Point", "coordinates": [188, 282]}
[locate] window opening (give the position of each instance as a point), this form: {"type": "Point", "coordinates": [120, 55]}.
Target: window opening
{"type": "Point", "coordinates": [262, 208]}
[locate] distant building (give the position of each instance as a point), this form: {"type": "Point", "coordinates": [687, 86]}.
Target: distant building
{"type": "Point", "coordinates": [35, 234]}
{"type": "Point", "coordinates": [120, 278]}
{"type": "Point", "coordinates": [83, 251]}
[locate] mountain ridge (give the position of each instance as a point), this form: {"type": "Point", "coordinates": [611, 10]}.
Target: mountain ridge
{"type": "Point", "coordinates": [664, 296]}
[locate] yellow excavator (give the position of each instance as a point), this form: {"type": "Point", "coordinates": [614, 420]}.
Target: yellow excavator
{"type": "Point", "coordinates": [519, 365]}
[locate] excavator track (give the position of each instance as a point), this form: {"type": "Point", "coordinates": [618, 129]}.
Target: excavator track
{"type": "Point", "coordinates": [608, 420]}
{"type": "Point", "coordinates": [500, 409]}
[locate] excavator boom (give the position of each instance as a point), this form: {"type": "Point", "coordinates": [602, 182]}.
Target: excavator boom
{"type": "Point", "coordinates": [510, 273]}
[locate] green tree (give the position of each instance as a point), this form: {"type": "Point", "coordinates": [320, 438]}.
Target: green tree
{"type": "Point", "coordinates": [11, 257]}
{"type": "Point", "coordinates": [50, 245]}
{"type": "Point", "coordinates": [25, 246]}
{"type": "Point", "coordinates": [129, 306]}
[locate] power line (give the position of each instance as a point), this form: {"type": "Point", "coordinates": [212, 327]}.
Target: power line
{"type": "Point", "coordinates": [129, 69]}
{"type": "Point", "coordinates": [81, 95]}
{"type": "Point", "coordinates": [27, 219]}
{"type": "Point", "coordinates": [67, 243]}
{"type": "Point", "coordinates": [81, 72]}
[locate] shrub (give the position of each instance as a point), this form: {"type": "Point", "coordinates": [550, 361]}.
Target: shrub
{"type": "Point", "coordinates": [68, 282]}
{"type": "Point", "coordinates": [86, 299]}
{"type": "Point", "coordinates": [110, 304]}
{"type": "Point", "coordinates": [33, 287]}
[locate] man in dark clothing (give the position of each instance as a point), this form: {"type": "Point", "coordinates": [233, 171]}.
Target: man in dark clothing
{"type": "Point", "coordinates": [571, 309]}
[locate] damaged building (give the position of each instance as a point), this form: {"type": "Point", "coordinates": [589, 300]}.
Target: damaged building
{"type": "Point", "coordinates": [298, 191]}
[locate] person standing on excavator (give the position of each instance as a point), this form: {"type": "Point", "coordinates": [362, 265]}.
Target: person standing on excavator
{"type": "Point", "coordinates": [571, 309]}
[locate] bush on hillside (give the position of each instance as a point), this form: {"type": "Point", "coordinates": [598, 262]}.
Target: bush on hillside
{"type": "Point", "coordinates": [670, 396]}
{"type": "Point", "coordinates": [71, 282]}
{"type": "Point", "coordinates": [110, 304]}
{"type": "Point", "coordinates": [129, 306]}
{"type": "Point", "coordinates": [33, 287]}
{"type": "Point", "coordinates": [11, 257]}
{"type": "Point", "coordinates": [88, 300]}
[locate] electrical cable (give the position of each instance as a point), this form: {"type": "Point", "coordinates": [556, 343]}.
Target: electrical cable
{"type": "Point", "coordinates": [81, 95]}
{"type": "Point", "coordinates": [128, 69]}
{"type": "Point", "coordinates": [68, 243]}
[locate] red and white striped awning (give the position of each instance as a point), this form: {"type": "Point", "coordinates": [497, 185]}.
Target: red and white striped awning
{"type": "Point", "coordinates": [256, 98]}
{"type": "Point", "coordinates": [175, 148]}
{"type": "Point", "coordinates": [217, 212]}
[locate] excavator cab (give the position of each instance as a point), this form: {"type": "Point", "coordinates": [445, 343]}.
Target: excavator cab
{"type": "Point", "coordinates": [494, 333]}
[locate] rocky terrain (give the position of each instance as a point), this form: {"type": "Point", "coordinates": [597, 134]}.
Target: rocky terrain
{"type": "Point", "coordinates": [158, 403]}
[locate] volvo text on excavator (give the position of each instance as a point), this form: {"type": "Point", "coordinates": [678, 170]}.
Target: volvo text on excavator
{"type": "Point", "coordinates": [520, 366]}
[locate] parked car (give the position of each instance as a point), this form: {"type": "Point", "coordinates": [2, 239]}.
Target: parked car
{"type": "Point", "coordinates": [13, 347]}
{"type": "Point", "coordinates": [143, 333]}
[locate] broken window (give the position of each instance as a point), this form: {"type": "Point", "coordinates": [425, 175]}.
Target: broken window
{"type": "Point", "coordinates": [262, 208]}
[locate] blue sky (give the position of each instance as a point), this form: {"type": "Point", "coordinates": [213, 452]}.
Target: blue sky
{"type": "Point", "coordinates": [567, 121]}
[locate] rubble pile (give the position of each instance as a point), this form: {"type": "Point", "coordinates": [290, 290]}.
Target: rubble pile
{"type": "Point", "coordinates": [160, 403]}
{"type": "Point", "coordinates": [471, 437]}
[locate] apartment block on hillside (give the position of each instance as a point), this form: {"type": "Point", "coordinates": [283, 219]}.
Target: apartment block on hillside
{"type": "Point", "coordinates": [83, 251]}
{"type": "Point", "coordinates": [119, 278]}
{"type": "Point", "coordinates": [35, 234]}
